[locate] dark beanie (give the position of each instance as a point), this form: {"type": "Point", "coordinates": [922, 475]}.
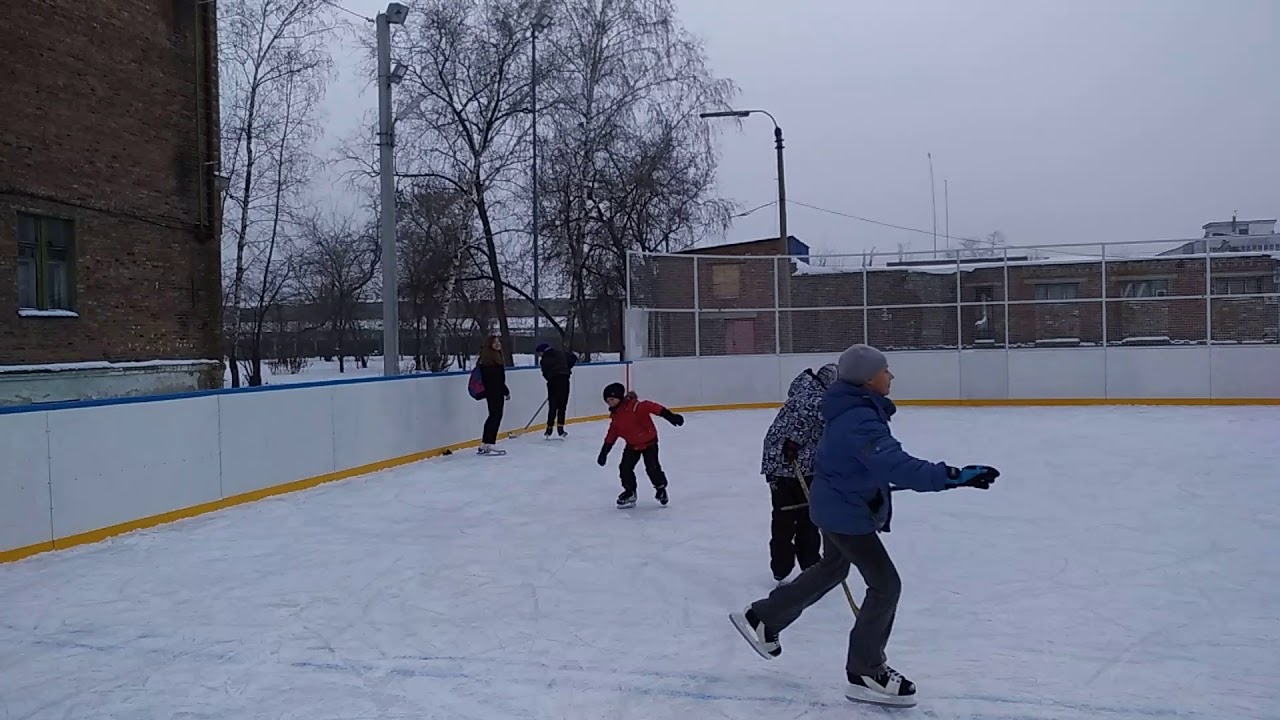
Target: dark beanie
{"type": "Point", "coordinates": [615, 390]}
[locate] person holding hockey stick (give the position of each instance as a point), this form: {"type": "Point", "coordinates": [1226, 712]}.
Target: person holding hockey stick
{"type": "Point", "coordinates": [857, 465]}
{"type": "Point", "coordinates": [631, 419]}
{"type": "Point", "coordinates": [557, 367]}
{"type": "Point", "coordinates": [789, 444]}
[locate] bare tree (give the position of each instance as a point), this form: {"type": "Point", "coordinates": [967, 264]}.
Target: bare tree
{"type": "Point", "coordinates": [435, 231]}
{"type": "Point", "coordinates": [464, 121]}
{"type": "Point", "coordinates": [335, 270]}
{"type": "Point", "coordinates": [629, 165]}
{"type": "Point", "coordinates": [273, 66]}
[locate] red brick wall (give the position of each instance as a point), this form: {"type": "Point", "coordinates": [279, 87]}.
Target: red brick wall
{"type": "Point", "coordinates": [100, 125]}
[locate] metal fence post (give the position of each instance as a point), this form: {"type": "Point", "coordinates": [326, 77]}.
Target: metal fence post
{"type": "Point", "coordinates": [697, 318]}
{"type": "Point", "coordinates": [1106, 382]}
{"type": "Point", "coordinates": [866, 322]}
{"type": "Point", "coordinates": [777, 313]}
{"type": "Point", "coordinates": [1006, 301]}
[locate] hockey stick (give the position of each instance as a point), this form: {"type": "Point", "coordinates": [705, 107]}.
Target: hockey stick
{"type": "Point", "coordinates": [521, 431]}
{"type": "Point", "coordinates": [795, 467]}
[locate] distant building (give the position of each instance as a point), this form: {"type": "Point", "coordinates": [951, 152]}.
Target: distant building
{"type": "Point", "coordinates": [110, 259]}
{"type": "Point", "coordinates": [1233, 236]}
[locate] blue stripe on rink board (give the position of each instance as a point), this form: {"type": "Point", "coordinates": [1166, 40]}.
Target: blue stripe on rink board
{"type": "Point", "coordinates": [76, 404]}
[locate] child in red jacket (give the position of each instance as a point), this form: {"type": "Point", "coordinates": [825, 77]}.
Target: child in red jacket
{"type": "Point", "coordinates": [632, 420]}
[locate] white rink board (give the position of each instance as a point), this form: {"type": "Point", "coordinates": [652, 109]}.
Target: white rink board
{"type": "Point", "coordinates": [103, 464]}
{"type": "Point", "coordinates": [24, 480]}
{"type": "Point", "coordinates": [1085, 373]}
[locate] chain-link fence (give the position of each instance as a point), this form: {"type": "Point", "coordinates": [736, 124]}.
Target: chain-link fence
{"type": "Point", "coordinates": [1123, 294]}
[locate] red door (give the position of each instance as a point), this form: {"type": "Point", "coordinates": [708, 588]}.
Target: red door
{"type": "Point", "coordinates": [740, 336]}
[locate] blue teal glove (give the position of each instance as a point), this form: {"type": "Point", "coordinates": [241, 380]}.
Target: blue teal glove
{"type": "Point", "coordinates": [978, 476]}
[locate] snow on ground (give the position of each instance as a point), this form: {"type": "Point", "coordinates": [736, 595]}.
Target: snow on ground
{"type": "Point", "coordinates": [1123, 567]}
{"type": "Point", "coordinates": [320, 370]}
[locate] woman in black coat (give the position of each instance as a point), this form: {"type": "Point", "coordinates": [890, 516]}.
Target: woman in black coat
{"type": "Point", "coordinates": [493, 373]}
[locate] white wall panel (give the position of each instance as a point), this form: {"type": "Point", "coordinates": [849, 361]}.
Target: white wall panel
{"type": "Point", "coordinates": [378, 421]}
{"type": "Point", "coordinates": [1245, 372]}
{"type": "Point", "coordinates": [675, 382]}
{"type": "Point", "coordinates": [24, 480]}
{"type": "Point", "coordinates": [274, 437]}
{"type": "Point", "coordinates": [111, 464]}
{"type": "Point", "coordinates": [925, 375]}
{"type": "Point", "coordinates": [731, 379]}
{"type": "Point", "coordinates": [1157, 372]}
{"type": "Point", "coordinates": [586, 392]}
{"type": "Point", "coordinates": [984, 374]}
{"type": "Point", "coordinates": [1058, 373]}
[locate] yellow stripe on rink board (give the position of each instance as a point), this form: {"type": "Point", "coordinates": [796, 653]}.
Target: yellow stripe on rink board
{"type": "Point", "coordinates": [93, 536]}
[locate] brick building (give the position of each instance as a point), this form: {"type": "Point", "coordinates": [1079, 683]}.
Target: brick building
{"type": "Point", "coordinates": [109, 210]}
{"type": "Point", "coordinates": [930, 306]}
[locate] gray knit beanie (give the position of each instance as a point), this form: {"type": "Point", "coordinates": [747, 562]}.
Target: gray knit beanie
{"type": "Point", "coordinates": [860, 363]}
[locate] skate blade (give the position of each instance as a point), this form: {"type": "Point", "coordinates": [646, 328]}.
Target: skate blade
{"type": "Point", "coordinates": [859, 694]}
{"type": "Point", "coordinates": [740, 623]}
{"type": "Point", "coordinates": [627, 506]}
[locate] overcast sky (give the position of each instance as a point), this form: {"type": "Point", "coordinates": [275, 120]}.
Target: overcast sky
{"type": "Point", "coordinates": [1054, 122]}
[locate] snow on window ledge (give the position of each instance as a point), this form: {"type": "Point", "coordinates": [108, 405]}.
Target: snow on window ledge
{"type": "Point", "coordinates": [32, 312]}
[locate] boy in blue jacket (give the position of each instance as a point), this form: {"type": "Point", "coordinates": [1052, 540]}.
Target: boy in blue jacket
{"type": "Point", "coordinates": [857, 465]}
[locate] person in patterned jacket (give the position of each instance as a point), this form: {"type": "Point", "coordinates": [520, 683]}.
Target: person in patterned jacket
{"type": "Point", "coordinates": [791, 442]}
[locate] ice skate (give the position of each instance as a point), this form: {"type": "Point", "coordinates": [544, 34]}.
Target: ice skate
{"type": "Point", "coordinates": [887, 688]}
{"type": "Point", "coordinates": [627, 499]}
{"type": "Point", "coordinates": [489, 450]}
{"type": "Point", "coordinates": [547, 435]}
{"type": "Point", "coordinates": [660, 495]}
{"type": "Point", "coordinates": [763, 640]}
{"type": "Point", "coordinates": [560, 432]}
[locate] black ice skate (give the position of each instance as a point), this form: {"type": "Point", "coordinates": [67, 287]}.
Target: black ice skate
{"type": "Point", "coordinates": [762, 639]}
{"type": "Point", "coordinates": [886, 688]}
{"type": "Point", "coordinates": [547, 435]}
{"type": "Point", "coordinates": [627, 499]}
{"type": "Point", "coordinates": [661, 495]}
{"type": "Point", "coordinates": [560, 431]}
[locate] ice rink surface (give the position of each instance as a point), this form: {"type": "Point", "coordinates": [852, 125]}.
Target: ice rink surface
{"type": "Point", "coordinates": [1126, 565]}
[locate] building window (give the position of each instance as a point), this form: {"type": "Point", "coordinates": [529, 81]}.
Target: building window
{"type": "Point", "coordinates": [725, 281]}
{"type": "Point", "coordinates": [1057, 291]}
{"type": "Point", "coordinates": [46, 256]}
{"type": "Point", "coordinates": [984, 293]}
{"type": "Point", "coordinates": [1145, 288]}
{"type": "Point", "coordinates": [1237, 285]}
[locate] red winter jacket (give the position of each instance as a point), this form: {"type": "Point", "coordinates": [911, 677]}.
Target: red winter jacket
{"type": "Point", "coordinates": [632, 420]}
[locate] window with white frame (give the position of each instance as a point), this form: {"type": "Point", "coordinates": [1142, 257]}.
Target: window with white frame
{"type": "Point", "coordinates": [1057, 291]}
{"type": "Point", "coordinates": [1155, 287]}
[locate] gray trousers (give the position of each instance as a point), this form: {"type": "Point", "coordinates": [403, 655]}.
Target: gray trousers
{"type": "Point", "coordinates": [870, 632]}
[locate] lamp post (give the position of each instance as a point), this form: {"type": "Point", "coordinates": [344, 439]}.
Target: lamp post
{"type": "Point", "coordinates": [782, 182]}
{"type": "Point", "coordinates": [394, 15]}
{"type": "Point", "coordinates": [540, 23]}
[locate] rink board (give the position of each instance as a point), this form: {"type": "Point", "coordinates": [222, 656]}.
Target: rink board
{"type": "Point", "coordinates": [80, 472]}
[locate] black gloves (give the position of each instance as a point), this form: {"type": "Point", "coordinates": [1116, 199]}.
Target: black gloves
{"type": "Point", "coordinates": [604, 455]}
{"type": "Point", "coordinates": [671, 417]}
{"type": "Point", "coordinates": [790, 450]}
{"type": "Point", "coordinates": [978, 476]}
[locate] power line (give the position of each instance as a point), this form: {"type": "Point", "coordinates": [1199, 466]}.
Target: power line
{"type": "Point", "coordinates": [877, 222]}
{"type": "Point", "coordinates": [333, 4]}
{"type": "Point", "coordinates": [771, 203]}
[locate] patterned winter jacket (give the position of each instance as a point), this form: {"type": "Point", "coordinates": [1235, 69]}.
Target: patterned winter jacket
{"type": "Point", "coordinates": [800, 420]}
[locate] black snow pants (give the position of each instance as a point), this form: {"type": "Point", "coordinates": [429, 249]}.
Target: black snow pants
{"type": "Point", "coordinates": [652, 467]}
{"type": "Point", "coordinates": [793, 538]}
{"type": "Point", "coordinates": [496, 403]}
{"type": "Point", "coordinates": [557, 400]}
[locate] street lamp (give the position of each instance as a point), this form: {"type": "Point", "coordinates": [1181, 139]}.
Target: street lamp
{"type": "Point", "coordinates": [394, 15]}
{"type": "Point", "coordinates": [782, 182]}
{"type": "Point", "coordinates": [540, 23]}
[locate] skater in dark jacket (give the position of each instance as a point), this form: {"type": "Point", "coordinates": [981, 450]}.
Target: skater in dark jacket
{"type": "Point", "coordinates": [557, 367]}
{"type": "Point", "coordinates": [857, 465]}
{"type": "Point", "coordinates": [631, 419]}
{"type": "Point", "coordinates": [789, 445]}
{"type": "Point", "coordinates": [493, 371]}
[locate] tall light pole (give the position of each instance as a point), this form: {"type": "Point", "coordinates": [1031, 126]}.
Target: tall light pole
{"type": "Point", "coordinates": [933, 198]}
{"type": "Point", "coordinates": [395, 15]}
{"type": "Point", "coordinates": [782, 178]}
{"type": "Point", "coordinates": [540, 23]}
